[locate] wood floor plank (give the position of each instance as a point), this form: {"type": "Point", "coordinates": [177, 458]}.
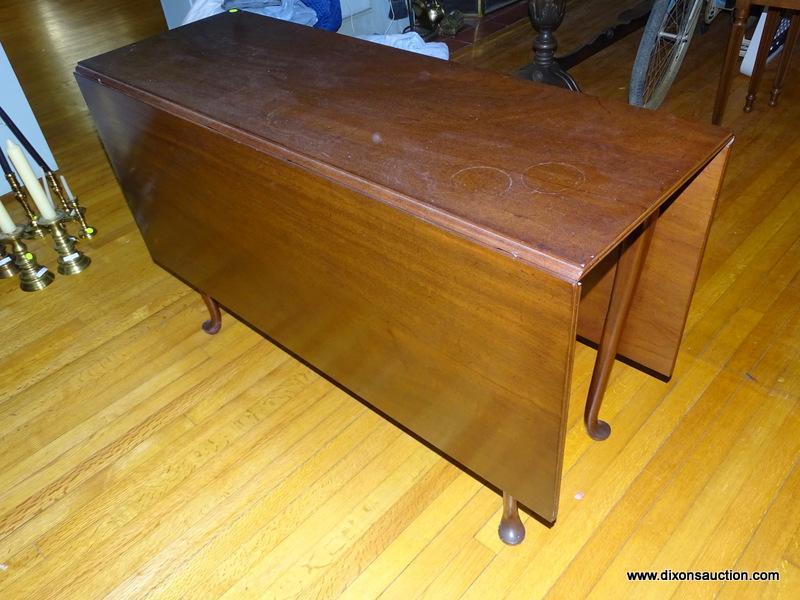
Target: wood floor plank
{"type": "Point", "coordinates": [690, 437]}
{"type": "Point", "coordinates": [373, 516]}
{"type": "Point", "coordinates": [716, 497]}
{"type": "Point", "coordinates": [117, 488]}
{"type": "Point", "coordinates": [115, 359]}
{"type": "Point", "coordinates": [437, 556]}
{"type": "Point", "coordinates": [188, 578]}
{"type": "Point", "coordinates": [451, 581]}
{"type": "Point", "coordinates": [765, 548]}
{"type": "Point", "coordinates": [201, 533]}
{"type": "Point", "coordinates": [411, 541]}
{"type": "Point", "coordinates": [410, 462]}
{"type": "Point", "coordinates": [172, 514]}
{"type": "Point", "coordinates": [272, 521]}
{"type": "Point", "coordinates": [603, 478]}
{"type": "Point", "coordinates": [736, 528]}
{"type": "Point", "coordinates": [362, 551]}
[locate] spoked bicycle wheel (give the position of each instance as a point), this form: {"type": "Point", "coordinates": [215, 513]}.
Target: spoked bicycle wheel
{"type": "Point", "coordinates": [664, 43]}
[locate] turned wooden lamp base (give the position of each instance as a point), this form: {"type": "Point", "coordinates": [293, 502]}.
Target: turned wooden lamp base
{"type": "Point", "coordinates": [552, 75]}
{"type": "Point", "coordinates": [546, 16]}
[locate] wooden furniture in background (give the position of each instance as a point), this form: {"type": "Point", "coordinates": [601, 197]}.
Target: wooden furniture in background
{"type": "Point", "coordinates": [441, 276]}
{"type": "Point", "coordinates": [741, 12]}
{"type": "Point", "coordinates": [546, 16]}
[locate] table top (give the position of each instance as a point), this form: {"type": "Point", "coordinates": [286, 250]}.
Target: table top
{"type": "Point", "coordinates": [552, 177]}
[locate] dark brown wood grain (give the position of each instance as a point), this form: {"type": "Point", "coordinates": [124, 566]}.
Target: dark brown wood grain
{"type": "Point", "coordinates": [361, 207]}
{"type": "Point", "coordinates": [468, 348]}
{"type": "Point", "coordinates": [492, 158]}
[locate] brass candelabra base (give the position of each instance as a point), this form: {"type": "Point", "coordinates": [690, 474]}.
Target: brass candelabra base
{"type": "Point", "coordinates": [71, 261]}
{"type": "Point", "coordinates": [7, 267]}
{"type": "Point", "coordinates": [32, 276]}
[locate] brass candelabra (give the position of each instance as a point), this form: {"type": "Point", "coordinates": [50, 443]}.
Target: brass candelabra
{"type": "Point", "coordinates": [71, 261]}
{"type": "Point", "coordinates": [70, 204]}
{"type": "Point", "coordinates": [32, 230]}
{"type": "Point", "coordinates": [7, 267]}
{"type": "Point", "coordinates": [32, 275]}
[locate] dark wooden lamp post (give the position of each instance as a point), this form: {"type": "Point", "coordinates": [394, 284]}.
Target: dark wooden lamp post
{"type": "Point", "coordinates": [546, 16]}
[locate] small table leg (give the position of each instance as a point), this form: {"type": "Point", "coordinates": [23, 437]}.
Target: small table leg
{"type": "Point", "coordinates": [214, 323]}
{"type": "Point", "coordinates": [741, 12]}
{"type": "Point", "coordinates": [629, 268]}
{"type": "Point", "coordinates": [783, 66]}
{"type": "Point", "coordinates": [511, 529]}
{"type": "Point", "coordinates": [770, 27]}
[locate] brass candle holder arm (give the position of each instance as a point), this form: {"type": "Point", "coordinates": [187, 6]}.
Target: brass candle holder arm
{"type": "Point", "coordinates": [70, 205]}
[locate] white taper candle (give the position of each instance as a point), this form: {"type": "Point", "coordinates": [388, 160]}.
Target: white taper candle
{"type": "Point", "coordinates": [67, 191]}
{"type": "Point", "coordinates": [47, 190]}
{"type": "Point", "coordinates": [7, 224]}
{"type": "Point", "coordinates": [35, 191]}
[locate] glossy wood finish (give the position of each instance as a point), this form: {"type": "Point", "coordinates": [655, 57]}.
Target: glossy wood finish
{"type": "Point", "coordinates": [467, 348]}
{"type": "Point", "coordinates": [141, 458]}
{"type": "Point", "coordinates": [498, 383]}
{"type": "Point", "coordinates": [554, 206]}
{"type": "Point", "coordinates": [548, 192]}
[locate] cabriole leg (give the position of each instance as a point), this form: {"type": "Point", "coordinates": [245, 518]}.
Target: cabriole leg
{"type": "Point", "coordinates": [511, 529]}
{"type": "Point", "coordinates": [629, 268]}
{"type": "Point", "coordinates": [214, 323]}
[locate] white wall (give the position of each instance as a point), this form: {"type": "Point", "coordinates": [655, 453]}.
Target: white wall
{"type": "Point", "coordinates": [174, 11]}
{"type": "Point", "coordinates": [365, 17]}
{"type": "Point", "coordinates": [16, 105]}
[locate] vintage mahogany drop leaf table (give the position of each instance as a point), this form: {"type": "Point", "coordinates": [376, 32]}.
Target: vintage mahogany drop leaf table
{"type": "Point", "coordinates": [361, 207]}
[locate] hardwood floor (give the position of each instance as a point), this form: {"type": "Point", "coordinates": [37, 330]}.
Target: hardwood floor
{"type": "Point", "coordinates": [141, 457]}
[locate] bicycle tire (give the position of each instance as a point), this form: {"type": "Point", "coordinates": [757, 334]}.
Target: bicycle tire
{"type": "Point", "coordinates": [658, 59]}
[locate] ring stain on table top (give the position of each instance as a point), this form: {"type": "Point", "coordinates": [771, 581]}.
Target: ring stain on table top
{"type": "Point", "coordinates": [553, 178]}
{"type": "Point", "coordinates": [482, 180]}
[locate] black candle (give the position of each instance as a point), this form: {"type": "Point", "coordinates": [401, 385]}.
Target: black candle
{"type": "Point", "coordinates": [24, 141]}
{"type": "Point", "coordinates": [4, 164]}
